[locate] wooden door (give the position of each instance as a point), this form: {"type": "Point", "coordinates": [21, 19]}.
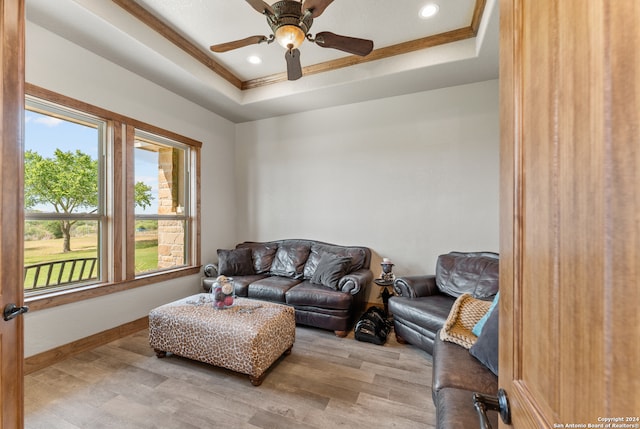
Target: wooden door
{"type": "Point", "coordinates": [11, 210]}
{"type": "Point", "coordinates": [570, 212]}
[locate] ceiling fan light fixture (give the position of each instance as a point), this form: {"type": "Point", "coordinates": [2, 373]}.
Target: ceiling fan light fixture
{"type": "Point", "coordinates": [290, 36]}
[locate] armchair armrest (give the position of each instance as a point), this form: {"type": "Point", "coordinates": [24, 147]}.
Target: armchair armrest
{"type": "Point", "coordinates": [356, 281]}
{"type": "Point", "coordinates": [415, 286]}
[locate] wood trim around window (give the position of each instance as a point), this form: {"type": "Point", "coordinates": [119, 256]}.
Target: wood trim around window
{"type": "Point", "coordinates": [130, 218]}
{"type": "Point", "coordinates": [120, 242]}
{"type": "Point", "coordinates": [56, 299]}
{"type": "Point", "coordinates": [117, 221]}
{"type": "Point", "coordinates": [63, 100]}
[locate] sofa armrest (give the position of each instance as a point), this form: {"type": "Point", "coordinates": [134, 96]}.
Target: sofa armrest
{"type": "Point", "coordinates": [356, 281]}
{"type": "Point", "coordinates": [211, 270]}
{"type": "Point", "coordinates": [415, 286]}
{"type": "Point", "coordinates": [210, 275]}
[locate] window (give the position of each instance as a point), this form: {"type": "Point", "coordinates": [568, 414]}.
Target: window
{"type": "Point", "coordinates": [63, 194]}
{"type": "Point", "coordinates": [162, 209]}
{"type": "Point", "coordinates": [110, 202]}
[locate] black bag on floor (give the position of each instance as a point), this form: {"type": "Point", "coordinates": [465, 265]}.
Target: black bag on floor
{"type": "Point", "coordinates": [373, 327]}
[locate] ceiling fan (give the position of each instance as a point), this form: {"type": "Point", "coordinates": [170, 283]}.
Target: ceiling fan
{"type": "Point", "coordinates": [290, 27]}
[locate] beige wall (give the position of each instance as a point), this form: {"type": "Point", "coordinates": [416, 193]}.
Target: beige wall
{"type": "Point", "coordinates": [411, 177]}
{"type": "Point", "coordinates": [60, 66]}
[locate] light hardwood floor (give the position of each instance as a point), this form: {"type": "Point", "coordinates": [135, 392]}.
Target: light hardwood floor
{"type": "Point", "coordinates": [326, 382]}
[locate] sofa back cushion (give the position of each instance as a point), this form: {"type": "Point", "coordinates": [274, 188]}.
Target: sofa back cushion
{"type": "Point", "coordinates": [290, 259]}
{"type": "Point", "coordinates": [475, 273]}
{"type": "Point", "coordinates": [330, 270]}
{"type": "Point", "coordinates": [310, 251]}
{"type": "Point", "coordinates": [262, 254]}
{"type": "Point", "coordinates": [236, 262]}
{"type": "Point", "coordinates": [358, 255]}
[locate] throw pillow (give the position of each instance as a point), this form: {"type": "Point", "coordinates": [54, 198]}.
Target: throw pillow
{"type": "Point", "coordinates": [464, 314]}
{"type": "Point", "coordinates": [236, 262]}
{"type": "Point", "coordinates": [478, 328]}
{"type": "Point", "coordinates": [486, 348]}
{"type": "Point", "coordinates": [330, 270]}
{"type": "Point", "coordinates": [290, 259]}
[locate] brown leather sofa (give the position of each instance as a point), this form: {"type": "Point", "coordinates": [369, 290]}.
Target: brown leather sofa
{"type": "Point", "coordinates": [421, 307]}
{"type": "Point", "coordinates": [457, 375]}
{"type": "Point", "coordinates": [326, 284]}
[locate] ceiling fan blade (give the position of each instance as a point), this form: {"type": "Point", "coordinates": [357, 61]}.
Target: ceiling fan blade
{"type": "Point", "coordinates": [261, 7]}
{"type": "Point", "coordinates": [294, 68]}
{"type": "Point", "coordinates": [352, 45]}
{"type": "Point", "coordinates": [252, 40]}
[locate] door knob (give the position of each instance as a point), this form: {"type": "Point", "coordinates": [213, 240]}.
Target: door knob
{"type": "Point", "coordinates": [499, 403]}
{"type": "Point", "coordinates": [12, 311]}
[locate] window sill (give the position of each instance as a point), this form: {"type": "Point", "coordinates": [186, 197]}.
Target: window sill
{"type": "Point", "coordinates": [54, 299]}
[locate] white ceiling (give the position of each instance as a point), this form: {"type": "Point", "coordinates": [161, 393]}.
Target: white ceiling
{"type": "Point", "coordinates": [108, 30]}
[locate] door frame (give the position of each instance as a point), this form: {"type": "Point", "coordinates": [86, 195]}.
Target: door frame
{"type": "Point", "coordinates": [12, 58]}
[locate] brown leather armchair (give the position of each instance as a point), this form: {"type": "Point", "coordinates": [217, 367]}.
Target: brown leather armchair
{"type": "Point", "coordinates": [421, 308]}
{"type": "Point", "coordinates": [422, 303]}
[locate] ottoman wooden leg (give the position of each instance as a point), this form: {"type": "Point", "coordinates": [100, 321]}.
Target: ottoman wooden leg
{"type": "Point", "coordinates": [287, 352]}
{"type": "Point", "coordinates": [341, 334]}
{"type": "Point", "coordinates": [257, 381]}
{"type": "Point", "coordinates": [160, 353]}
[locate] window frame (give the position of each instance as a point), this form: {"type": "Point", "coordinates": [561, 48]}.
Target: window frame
{"type": "Point", "coordinates": [45, 107]}
{"type": "Point", "coordinates": [118, 231]}
{"type": "Point", "coordinates": [187, 185]}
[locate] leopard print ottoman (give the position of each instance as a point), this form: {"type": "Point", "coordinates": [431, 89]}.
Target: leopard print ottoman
{"type": "Point", "coordinates": [247, 337]}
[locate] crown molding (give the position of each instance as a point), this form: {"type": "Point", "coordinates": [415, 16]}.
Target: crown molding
{"type": "Point", "coordinates": [132, 7]}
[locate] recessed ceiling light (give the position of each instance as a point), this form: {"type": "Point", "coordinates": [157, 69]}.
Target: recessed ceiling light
{"type": "Point", "coordinates": [429, 10]}
{"type": "Point", "coordinates": [254, 59]}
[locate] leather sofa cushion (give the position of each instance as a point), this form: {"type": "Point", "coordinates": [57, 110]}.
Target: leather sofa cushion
{"type": "Point", "coordinates": [454, 367]}
{"type": "Point", "coordinates": [475, 273]}
{"type": "Point", "coordinates": [262, 255]}
{"type": "Point", "coordinates": [429, 313]}
{"type": "Point", "coordinates": [455, 410]}
{"type": "Point", "coordinates": [272, 288]}
{"type": "Point", "coordinates": [290, 259]}
{"type": "Point", "coordinates": [236, 262]}
{"type": "Point", "coordinates": [241, 283]}
{"type": "Point", "coordinates": [330, 270]}
{"type": "Point", "coordinates": [358, 257]}
{"type": "Point", "coordinates": [307, 294]}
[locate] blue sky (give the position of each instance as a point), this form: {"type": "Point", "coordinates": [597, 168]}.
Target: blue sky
{"type": "Point", "coordinates": [44, 134]}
